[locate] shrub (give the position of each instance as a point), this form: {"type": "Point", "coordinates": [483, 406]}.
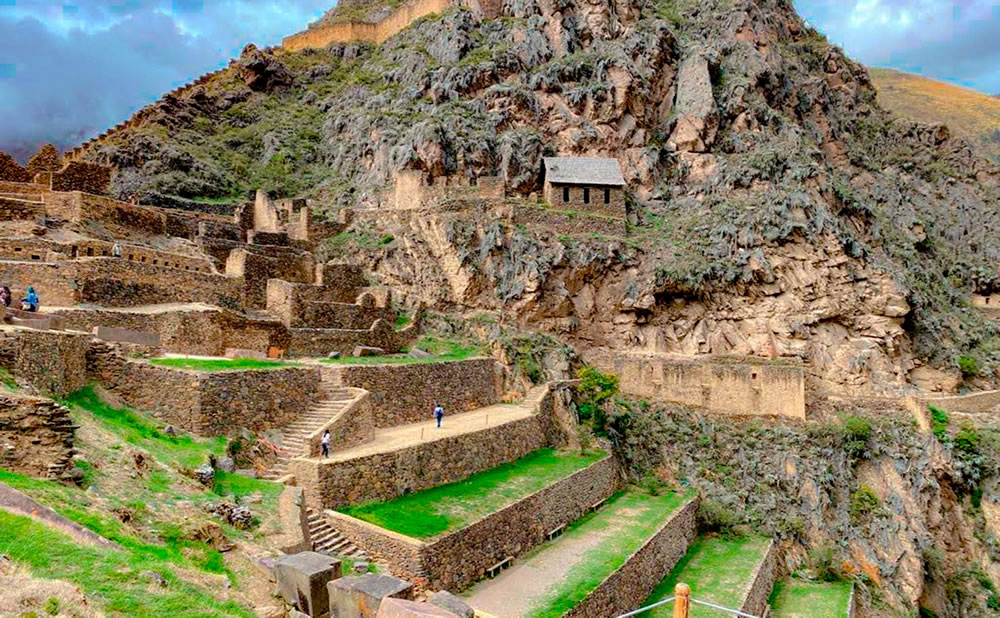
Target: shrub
{"type": "Point", "coordinates": [857, 433]}
{"type": "Point", "coordinates": [968, 366]}
{"type": "Point", "coordinates": [939, 423]}
{"type": "Point", "coordinates": [824, 563]}
{"type": "Point", "coordinates": [715, 517]}
{"type": "Point", "coordinates": [654, 485]}
{"type": "Point", "coordinates": [595, 390]}
{"type": "Point", "coordinates": [51, 606]}
{"type": "Point", "coordinates": [864, 502]}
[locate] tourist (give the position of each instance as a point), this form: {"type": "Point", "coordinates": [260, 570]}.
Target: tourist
{"type": "Point", "coordinates": [5, 296]}
{"type": "Point", "coordinates": [116, 250]}
{"type": "Point", "coordinates": [30, 302]}
{"type": "Point", "coordinates": [438, 413]}
{"type": "Point", "coordinates": [324, 443]}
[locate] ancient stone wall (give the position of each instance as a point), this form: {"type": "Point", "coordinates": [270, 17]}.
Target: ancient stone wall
{"type": "Point", "coordinates": [566, 221]}
{"type": "Point", "coordinates": [36, 435]}
{"type": "Point", "coordinates": [403, 394]}
{"type": "Point", "coordinates": [114, 282]}
{"type": "Point", "coordinates": [975, 403]}
{"type": "Point", "coordinates": [633, 582]}
{"type": "Point", "coordinates": [13, 209]}
{"type": "Point", "coordinates": [742, 385]}
{"type": "Point", "coordinates": [54, 282]}
{"type": "Point", "coordinates": [412, 190]}
{"type": "Point", "coordinates": [759, 589]}
{"type": "Point", "coordinates": [11, 170]}
{"type": "Point", "coordinates": [256, 267]}
{"type": "Point", "coordinates": [460, 558]}
{"type": "Point", "coordinates": [606, 201]}
{"type": "Point", "coordinates": [320, 342]}
{"type": "Point", "coordinates": [351, 426]}
{"type": "Point", "coordinates": [384, 476]}
{"type": "Point", "coordinates": [81, 176]}
{"type": "Point", "coordinates": [322, 306]}
{"type": "Point", "coordinates": [208, 403]}
{"type": "Point", "coordinates": [52, 362]}
{"type": "Point", "coordinates": [38, 249]}
{"type": "Point", "coordinates": [320, 37]}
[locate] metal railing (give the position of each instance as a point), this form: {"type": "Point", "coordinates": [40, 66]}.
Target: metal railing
{"type": "Point", "coordinates": [682, 604]}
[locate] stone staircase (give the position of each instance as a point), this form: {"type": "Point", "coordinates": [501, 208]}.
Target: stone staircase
{"type": "Point", "coordinates": [326, 539]}
{"type": "Point", "coordinates": [295, 434]}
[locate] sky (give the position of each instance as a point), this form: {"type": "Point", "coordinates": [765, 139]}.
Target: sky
{"type": "Point", "coordinates": [69, 69]}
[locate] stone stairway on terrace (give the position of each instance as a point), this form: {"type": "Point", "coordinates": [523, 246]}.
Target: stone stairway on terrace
{"type": "Point", "coordinates": [327, 540]}
{"type": "Point", "coordinates": [295, 435]}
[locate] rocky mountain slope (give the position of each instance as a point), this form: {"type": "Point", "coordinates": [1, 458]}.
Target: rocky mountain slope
{"type": "Point", "coordinates": [969, 114]}
{"type": "Point", "coordinates": [776, 207]}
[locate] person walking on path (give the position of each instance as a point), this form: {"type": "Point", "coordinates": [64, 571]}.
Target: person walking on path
{"type": "Point", "coordinates": [5, 296]}
{"type": "Point", "coordinates": [438, 413]}
{"type": "Point", "coordinates": [30, 302]}
{"type": "Point", "coordinates": [324, 444]}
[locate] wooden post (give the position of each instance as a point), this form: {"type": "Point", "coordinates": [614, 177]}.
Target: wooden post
{"type": "Point", "coordinates": [682, 600]}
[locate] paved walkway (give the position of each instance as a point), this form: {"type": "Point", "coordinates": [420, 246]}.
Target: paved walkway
{"type": "Point", "coordinates": [395, 438]}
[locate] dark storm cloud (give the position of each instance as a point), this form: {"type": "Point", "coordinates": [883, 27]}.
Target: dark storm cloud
{"type": "Point", "coordinates": [956, 41]}
{"type": "Point", "coordinates": [70, 70]}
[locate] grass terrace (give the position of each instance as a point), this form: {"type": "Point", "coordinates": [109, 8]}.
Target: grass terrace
{"type": "Point", "coordinates": [442, 349]}
{"type": "Point", "coordinates": [797, 598]}
{"type": "Point", "coordinates": [450, 507]}
{"type": "Point", "coordinates": [220, 364]}
{"type": "Point", "coordinates": [717, 569]}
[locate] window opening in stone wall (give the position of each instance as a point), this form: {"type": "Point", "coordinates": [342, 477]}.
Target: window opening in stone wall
{"type": "Point", "coordinates": [565, 194]}
{"type": "Point", "coordinates": [607, 196]}
{"type": "Point", "coordinates": [90, 251]}
{"type": "Point", "coordinates": [586, 196]}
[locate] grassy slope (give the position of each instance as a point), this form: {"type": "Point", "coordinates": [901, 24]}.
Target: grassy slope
{"type": "Point", "coordinates": [162, 504]}
{"type": "Point", "coordinates": [649, 513]}
{"type": "Point", "coordinates": [967, 113]}
{"type": "Point", "coordinates": [717, 570]}
{"type": "Point", "coordinates": [794, 598]}
{"type": "Point", "coordinates": [448, 507]}
{"type": "Point", "coordinates": [219, 364]}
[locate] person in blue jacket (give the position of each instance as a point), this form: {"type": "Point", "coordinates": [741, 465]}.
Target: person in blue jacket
{"type": "Point", "coordinates": [30, 302]}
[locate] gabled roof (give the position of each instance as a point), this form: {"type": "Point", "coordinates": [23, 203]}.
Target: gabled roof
{"type": "Point", "coordinates": [583, 171]}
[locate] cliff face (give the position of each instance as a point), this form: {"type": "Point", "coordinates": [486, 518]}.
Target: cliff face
{"type": "Point", "coordinates": [776, 208]}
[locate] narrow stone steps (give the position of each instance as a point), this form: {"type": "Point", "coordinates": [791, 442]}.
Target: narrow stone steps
{"type": "Point", "coordinates": [295, 435]}
{"type": "Point", "coordinates": [326, 539]}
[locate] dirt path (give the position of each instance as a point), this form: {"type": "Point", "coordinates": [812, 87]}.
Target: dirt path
{"type": "Point", "coordinates": [519, 589]}
{"type": "Point", "coordinates": [395, 438]}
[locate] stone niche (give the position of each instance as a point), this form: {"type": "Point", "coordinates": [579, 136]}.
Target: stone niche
{"type": "Point", "coordinates": [729, 385]}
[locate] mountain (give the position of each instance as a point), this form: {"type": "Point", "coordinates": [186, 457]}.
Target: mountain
{"type": "Point", "coordinates": [969, 114]}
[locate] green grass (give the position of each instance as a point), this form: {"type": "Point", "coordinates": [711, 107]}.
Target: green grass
{"type": "Point", "coordinates": [448, 507]}
{"type": "Point", "coordinates": [220, 364]}
{"type": "Point", "coordinates": [442, 349]}
{"type": "Point", "coordinates": [795, 598]}
{"type": "Point", "coordinates": [114, 579]}
{"type": "Point", "coordinates": [635, 515]}
{"type": "Point", "coordinates": [717, 569]}
{"type": "Point", "coordinates": [140, 430]}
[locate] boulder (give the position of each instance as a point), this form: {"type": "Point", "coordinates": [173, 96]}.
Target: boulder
{"type": "Point", "coordinates": [363, 350]}
{"type": "Point", "coordinates": [360, 596]}
{"type": "Point", "coordinates": [205, 474]}
{"type": "Point", "coordinates": [448, 601]}
{"type": "Point", "coordinates": [260, 70]}
{"type": "Point", "coordinates": [401, 608]}
{"type": "Point", "coordinates": [697, 113]}
{"type": "Point", "coordinates": [333, 355]}
{"type": "Point", "coordinates": [226, 464]}
{"type": "Point", "coordinates": [418, 353]}
{"type": "Point", "coordinates": [302, 580]}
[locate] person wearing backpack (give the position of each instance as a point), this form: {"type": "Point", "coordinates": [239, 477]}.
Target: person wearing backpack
{"type": "Point", "coordinates": [438, 414]}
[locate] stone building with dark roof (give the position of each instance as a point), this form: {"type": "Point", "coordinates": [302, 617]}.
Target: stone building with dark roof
{"type": "Point", "coordinates": [594, 184]}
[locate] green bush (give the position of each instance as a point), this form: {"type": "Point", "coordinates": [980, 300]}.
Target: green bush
{"type": "Point", "coordinates": [968, 366]}
{"type": "Point", "coordinates": [595, 390]}
{"type": "Point", "coordinates": [823, 562]}
{"type": "Point", "coordinates": [939, 423]}
{"type": "Point", "coordinates": [857, 433]}
{"type": "Point", "coordinates": [51, 606]}
{"type": "Point", "coordinates": [864, 503]}
{"type": "Point", "coordinates": [714, 517]}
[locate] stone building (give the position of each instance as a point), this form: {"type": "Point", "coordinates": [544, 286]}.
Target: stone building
{"type": "Point", "coordinates": [593, 184]}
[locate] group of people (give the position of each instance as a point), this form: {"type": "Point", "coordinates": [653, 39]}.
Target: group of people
{"type": "Point", "coordinates": [29, 303]}
{"type": "Point", "coordinates": [324, 442]}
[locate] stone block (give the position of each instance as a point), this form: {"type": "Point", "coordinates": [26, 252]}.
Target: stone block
{"type": "Point", "coordinates": [124, 335]}
{"type": "Point", "coordinates": [360, 597]}
{"type": "Point", "coordinates": [401, 608]}
{"type": "Point", "coordinates": [37, 324]}
{"type": "Point", "coordinates": [418, 353]}
{"type": "Point", "coordinates": [363, 350]}
{"type": "Point", "coordinates": [447, 601]}
{"type": "Point", "coordinates": [244, 353]}
{"type": "Point", "coordinates": [303, 578]}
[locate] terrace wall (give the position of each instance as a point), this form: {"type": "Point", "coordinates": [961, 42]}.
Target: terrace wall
{"type": "Point", "coordinates": [322, 341]}
{"type": "Point", "coordinates": [209, 403]}
{"type": "Point", "coordinates": [36, 435]}
{"type": "Point", "coordinates": [759, 589]}
{"type": "Point", "coordinates": [52, 362]}
{"type": "Point", "coordinates": [633, 582]}
{"type": "Point", "coordinates": [37, 249]}
{"type": "Point", "coordinates": [384, 476]}
{"type": "Point", "coordinates": [742, 385]}
{"type": "Point", "coordinates": [460, 558]}
{"type": "Point", "coordinates": [403, 394]}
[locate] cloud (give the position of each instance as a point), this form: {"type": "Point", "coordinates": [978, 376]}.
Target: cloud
{"type": "Point", "coordinates": [70, 71]}
{"type": "Point", "coordinates": [954, 40]}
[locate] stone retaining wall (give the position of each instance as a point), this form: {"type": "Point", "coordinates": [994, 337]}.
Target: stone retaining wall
{"type": "Point", "coordinates": [208, 403]}
{"type": "Point", "coordinates": [633, 582]}
{"type": "Point", "coordinates": [976, 403]}
{"type": "Point", "coordinates": [352, 426]}
{"type": "Point", "coordinates": [36, 435]}
{"type": "Point", "coordinates": [322, 341]}
{"type": "Point", "coordinates": [403, 394]}
{"type": "Point", "coordinates": [52, 362]}
{"type": "Point", "coordinates": [460, 558]}
{"type": "Point", "coordinates": [759, 589]}
{"type": "Point", "coordinates": [384, 476]}
{"type": "Point", "coordinates": [567, 221]}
